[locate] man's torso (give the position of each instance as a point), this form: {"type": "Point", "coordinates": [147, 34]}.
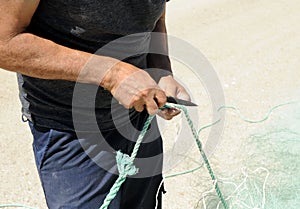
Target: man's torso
{"type": "Point", "coordinates": [86, 25]}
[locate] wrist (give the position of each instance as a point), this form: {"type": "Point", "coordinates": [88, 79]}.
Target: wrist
{"type": "Point", "coordinates": [159, 61]}
{"type": "Point", "coordinates": [157, 73]}
{"type": "Point", "coordinates": [97, 69]}
{"type": "Point", "coordinates": [117, 73]}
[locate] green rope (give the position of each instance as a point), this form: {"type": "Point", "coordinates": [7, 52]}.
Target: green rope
{"type": "Point", "coordinates": [126, 166]}
{"type": "Point", "coordinates": [199, 144]}
{"type": "Point", "coordinates": [242, 117]}
{"type": "Point", "coordinates": [267, 115]}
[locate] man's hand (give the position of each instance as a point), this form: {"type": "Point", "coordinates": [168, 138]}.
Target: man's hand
{"type": "Point", "coordinates": [133, 87]}
{"type": "Point", "coordinates": [174, 89]}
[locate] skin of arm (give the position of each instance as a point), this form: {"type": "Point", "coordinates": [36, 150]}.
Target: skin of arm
{"type": "Point", "coordinates": [34, 56]}
{"type": "Point", "coordinates": [158, 60]}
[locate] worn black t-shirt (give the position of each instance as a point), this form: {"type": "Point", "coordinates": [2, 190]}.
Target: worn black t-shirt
{"type": "Point", "coordinates": [86, 25]}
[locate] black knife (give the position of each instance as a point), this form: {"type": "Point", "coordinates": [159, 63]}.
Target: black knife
{"type": "Point", "coordinates": [180, 101]}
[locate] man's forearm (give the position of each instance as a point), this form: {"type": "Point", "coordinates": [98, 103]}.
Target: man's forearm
{"type": "Point", "coordinates": [31, 55]}
{"type": "Point", "coordinates": [160, 61]}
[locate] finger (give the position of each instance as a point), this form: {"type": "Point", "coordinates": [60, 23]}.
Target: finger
{"type": "Point", "coordinates": [170, 91]}
{"type": "Point", "coordinates": [160, 98]}
{"type": "Point", "coordinates": [137, 103]}
{"type": "Point", "coordinates": [151, 105]}
{"type": "Point", "coordinates": [164, 115]}
{"type": "Point", "coordinates": [152, 108]}
{"type": "Point", "coordinates": [182, 94]}
{"type": "Point", "coordinates": [173, 111]}
{"type": "Point", "coordinates": [139, 107]}
{"type": "Point", "coordinates": [169, 113]}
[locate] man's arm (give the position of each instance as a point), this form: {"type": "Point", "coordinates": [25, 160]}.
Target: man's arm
{"type": "Point", "coordinates": [160, 42]}
{"type": "Point", "coordinates": [34, 56]}
{"type": "Point", "coordinates": [164, 75]}
{"type": "Point", "coordinates": [31, 55]}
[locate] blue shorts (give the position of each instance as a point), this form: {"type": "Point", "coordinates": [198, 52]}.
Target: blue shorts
{"type": "Point", "coordinates": [72, 179]}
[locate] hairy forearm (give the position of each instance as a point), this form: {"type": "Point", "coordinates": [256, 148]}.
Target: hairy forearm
{"type": "Point", "coordinates": [31, 55]}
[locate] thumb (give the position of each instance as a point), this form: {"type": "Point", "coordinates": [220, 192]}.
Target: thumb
{"type": "Point", "coordinates": [183, 95]}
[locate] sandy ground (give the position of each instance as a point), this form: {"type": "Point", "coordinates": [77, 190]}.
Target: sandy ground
{"type": "Point", "coordinates": [254, 46]}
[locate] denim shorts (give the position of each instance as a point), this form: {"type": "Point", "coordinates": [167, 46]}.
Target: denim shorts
{"type": "Point", "coordinates": [72, 179]}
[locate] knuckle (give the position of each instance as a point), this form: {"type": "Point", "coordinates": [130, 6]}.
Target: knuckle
{"type": "Point", "coordinates": [144, 93]}
{"type": "Point", "coordinates": [134, 99]}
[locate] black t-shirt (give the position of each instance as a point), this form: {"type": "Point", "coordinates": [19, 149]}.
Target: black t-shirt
{"type": "Point", "coordinates": [85, 25]}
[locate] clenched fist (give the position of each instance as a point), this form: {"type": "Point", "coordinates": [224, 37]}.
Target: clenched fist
{"type": "Point", "coordinates": [134, 88]}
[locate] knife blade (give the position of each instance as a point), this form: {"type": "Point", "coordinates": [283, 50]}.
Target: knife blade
{"type": "Point", "coordinates": [174, 100]}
